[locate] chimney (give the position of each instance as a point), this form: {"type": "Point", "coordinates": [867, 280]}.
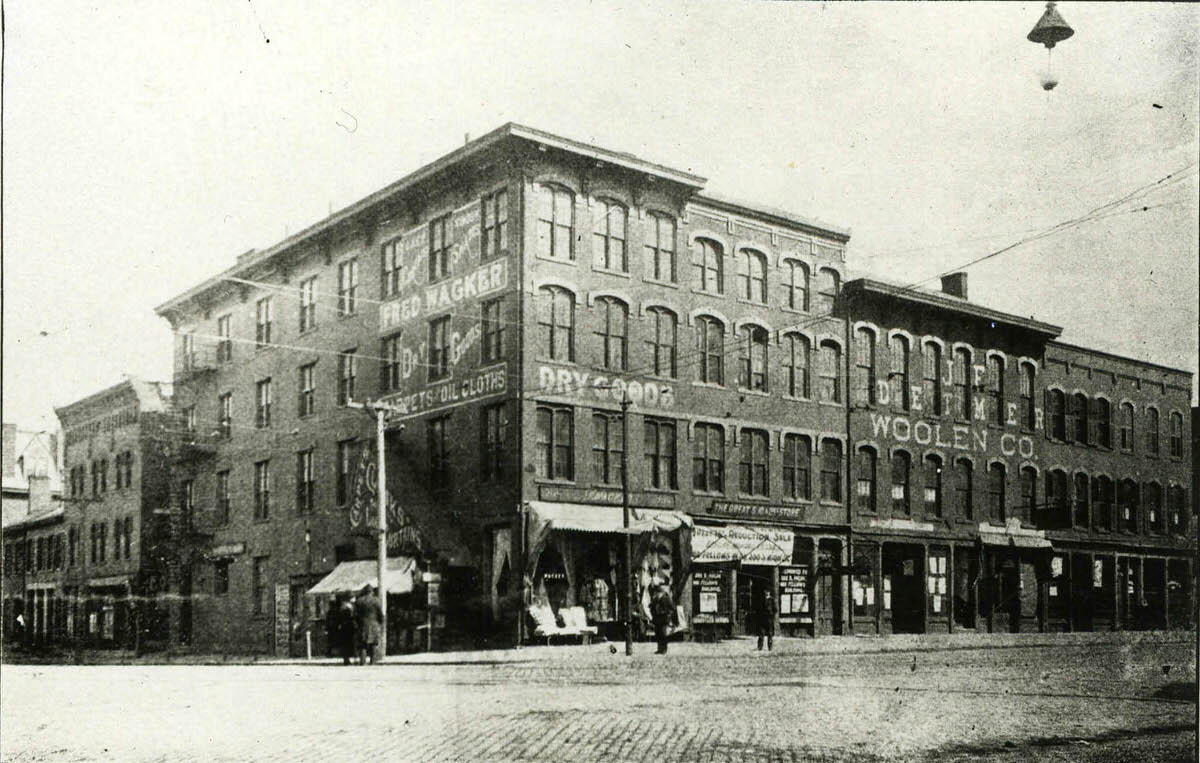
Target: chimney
{"type": "Point", "coordinates": [955, 285]}
{"type": "Point", "coordinates": [39, 494]}
{"type": "Point", "coordinates": [10, 451]}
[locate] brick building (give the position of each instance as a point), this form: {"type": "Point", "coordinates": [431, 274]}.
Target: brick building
{"type": "Point", "coordinates": [510, 300]}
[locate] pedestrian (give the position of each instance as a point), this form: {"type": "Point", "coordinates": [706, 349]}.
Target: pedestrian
{"type": "Point", "coordinates": [766, 621]}
{"type": "Point", "coordinates": [368, 616]}
{"type": "Point", "coordinates": [20, 628]}
{"type": "Point", "coordinates": [662, 612]}
{"type": "Point", "coordinates": [332, 625]}
{"type": "Point", "coordinates": [345, 629]}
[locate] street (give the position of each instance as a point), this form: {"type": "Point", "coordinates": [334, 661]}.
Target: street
{"type": "Point", "coordinates": [1098, 699]}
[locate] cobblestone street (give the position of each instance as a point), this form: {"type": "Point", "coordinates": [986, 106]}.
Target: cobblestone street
{"type": "Point", "coordinates": [1103, 698]}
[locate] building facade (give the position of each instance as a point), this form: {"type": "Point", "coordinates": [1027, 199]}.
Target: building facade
{"type": "Point", "coordinates": [549, 320]}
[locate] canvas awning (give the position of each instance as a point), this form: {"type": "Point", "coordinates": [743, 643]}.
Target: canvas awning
{"type": "Point", "coordinates": [349, 577]}
{"type": "Point", "coordinates": [1014, 541]}
{"type": "Point", "coordinates": [589, 518]}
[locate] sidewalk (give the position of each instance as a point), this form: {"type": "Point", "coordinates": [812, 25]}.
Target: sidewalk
{"type": "Point", "coordinates": [597, 652]}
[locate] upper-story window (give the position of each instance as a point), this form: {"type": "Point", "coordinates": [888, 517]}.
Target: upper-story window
{"type": "Point", "coordinates": [1152, 431]}
{"type": "Point", "coordinates": [829, 372]}
{"type": "Point", "coordinates": [997, 483]}
{"type": "Point", "coordinates": [308, 304]}
{"type": "Point", "coordinates": [797, 467]}
{"type": "Point", "coordinates": [797, 365]}
{"type": "Point", "coordinates": [1102, 503]}
{"type": "Point", "coordinates": [708, 458]}
{"type": "Point", "coordinates": [306, 484]}
{"type": "Point", "coordinates": [439, 348]}
{"type": "Point", "coordinates": [437, 444]}
{"type": "Point", "coordinates": [439, 248]}
{"type": "Point", "coordinates": [262, 490]}
{"type": "Point", "coordinates": [1028, 409]}
{"type": "Point", "coordinates": [831, 470]}
{"type": "Point", "coordinates": [491, 324]}
{"type": "Point", "coordinates": [608, 448]}
{"type": "Point", "coordinates": [262, 322]}
{"type": "Point", "coordinates": [663, 341]}
{"type": "Point", "coordinates": [864, 366]}
{"type": "Point", "coordinates": [709, 262]}
{"type": "Point", "coordinates": [865, 490]}
{"type": "Point", "coordinates": [494, 422]}
{"type": "Point", "coordinates": [306, 403]}
{"type": "Point", "coordinates": [1177, 507]}
{"type": "Point", "coordinates": [1176, 435]}
{"type": "Point", "coordinates": [901, 467]}
{"type": "Point", "coordinates": [660, 248]}
{"type": "Point", "coordinates": [659, 439]}
{"type": "Point", "coordinates": [608, 236]}
{"type": "Point", "coordinates": [1081, 518]}
{"type": "Point", "coordinates": [391, 367]}
{"type": "Point", "coordinates": [996, 390]}
{"type": "Point", "coordinates": [962, 384]}
{"type": "Point", "coordinates": [898, 373]}
{"type": "Point", "coordinates": [1125, 423]}
{"type": "Point", "coordinates": [556, 323]}
{"type": "Point", "coordinates": [262, 404]}
{"type": "Point", "coordinates": [493, 214]}
{"type": "Point", "coordinates": [795, 285]}
{"type": "Point", "coordinates": [1077, 419]}
{"type": "Point", "coordinates": [612, 332]}
{"type": "Point", "coordinates": [393, 259]}
{"type": "Point", "coordinates": [225, 339]}
{"type": "Point", "coordinates": [752, 371]}
{"type": "Point", "coordinates": [1056, 414]}
{"type": "Point", "coordinates": [1128, 504]}
{"type": "Point", "coordinates": [556, 222]}
{"type": "Point", "coordinates": [965, 487]}
{"type": "Point", "coordinates": [710, 343]}
{"type": "Point", "coordinates": [347, 375]}
{"type": "Point", "coordinates": [555, 442]}
{"type": "Point", "coordinates": [932, 381]}
{"type": "Point", "coordinates": [348, 287]}
{"type": "Point", "coordinates": [1101, 418]}
{"type": "Point", "coordinates": [225, 414]}
{"type": "Point", "coordinates": [752, 275]}
{"type": "Point", "coordinates": [753, 471]}
{"type": "Point", "coordinates": [1027, 488]}
{"type": "Point", "coordinates": [933, 485]}
{"type": "Point", "coordinates": [1057, 506]}
{"type": "Point", "coordinates": [827, 289]}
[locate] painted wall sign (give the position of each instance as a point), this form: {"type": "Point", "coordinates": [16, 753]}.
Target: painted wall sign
{"type": "Point", "coordinates": [751, 545]}
{"type": "Point", "coordinates": [570, 381]}
{"type": "Point", "coordinates": [761, 510]}
{"type": "Point", "coordinates": [976, 437]}
{"type": "Point", "coordinates": [446, 295]}
{"type": "Point", "coordinates": [476, 386]}
{"type": "Point", "coordinates": [228, 549]}
{"type": "Point", "coordinates": [604, 496]}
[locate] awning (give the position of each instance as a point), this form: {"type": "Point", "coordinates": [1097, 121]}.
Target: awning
{"type": "Point", "coordinates": [349, 577]}
{"type": "Point", "coordinates": [109, 582]}
{"type": "Point", "coordinates": [590, 518]}
{"type": "Point", "coordinates": [1014, 541]}
{"type": "Point", "coordinates": [748, 544]}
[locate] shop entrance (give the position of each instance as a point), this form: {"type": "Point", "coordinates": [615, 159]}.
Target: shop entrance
{"type": "Point", "coordinates": [752, 584]}
{"type": "Point", "coordinates": [1129, 587]}
{"type": "Point", "coordinates": [1154, 578]}
{"type": "Point", "coordinates": [1179, 595]}
{"type": "Point", "coordinates": [904, 575]}
{"type": "Point", "coordinates": [829, 588]}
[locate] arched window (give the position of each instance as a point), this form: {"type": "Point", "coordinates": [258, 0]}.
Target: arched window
{"type": "Point", "coordinates": [996, 389]}
{"type": "Point", "coordinates": [1101, 422]}
{"type": "Point", "coordinates": [1176, 435]}
{"type": "Point", "coordinates": [900, 477]}
{"type": "Point", "coordinates": [1028, 488]}
{"type": "Point", "coordinates": [663, 341]}
{"type": "Point", "coordinates": [709, 262]}
{"type": "Point", "coordinates": [898, 373]}
{"type": "Point", "coordinates": [1155, 519]}
{"type": "Point", "coordinates": [795, 285]}
{"type": "Point", "coordinates": [612, 331]}
{"type": "Point", "coordinates": [962, 384]}
{"type": "Point", "coordinates": [752, 363]}
{"type": "Point", "coordinates": [831, 470]}
{"type": "Point", "coordinates": [1079, 417]}
{"type": "Point", "coordinates": [556, 323]}
{"type": "Point", "coordinates": [1082, 518]}
{"type": "Point", "coordinates": [1128, 504]}
{"type": "Point", "coordinates": [710, 343]}
{"type": "Point", "coordinates": [1177, 505]}
{"type": "Point", "coordinates": [933, 485]}
{"type": "Point", "coordinates": [1125, 422]}
{"type": "Point", "coordinates": [797, 467]}
{"type": "Point", "coordinates": [830, 372]}
{"type": "Point", "coordinates": [932, 381]}
{"type": "Point", "coordinates": [996, 490]}
{"type": "Point", "coordinates": [608, 236]}
{"type": "Point", "coordinates": [797, 365]}
{"type": "Point", "coordinates": [965, 488]}
{"type": "Point", "coordinates": [556, 222]}
{"type": "Point", "coordinates": [1028, 409]}
{"type": "Point", "coordinates": [865, 480]}
{"type": "Point", "coordinates": [827, 289]}
{"type": "Point", "coordinates": [1102, 503]}
{"type": "Point", "coordinates": [864, 366]}
{"type": "Point", "coordinates": [1152, 431]}
{"type": "Point", "coordinates": [752, 275]}
{"type": "Point", "coordinates": [1056, 414]}
{"type": "Point", "coordinates": [660, 248]}
{"type": "Point", "coordinates": [1057, 508]}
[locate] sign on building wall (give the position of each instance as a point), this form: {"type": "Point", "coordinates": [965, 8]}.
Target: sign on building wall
{"type": "Point", "coordinates": [443, 296]}
{"type": "Point", "coordinates": [474, 386]}
{"type": "Point", "coordinates": [762, 510]}
{"type": "Point", "coordinates": [748, 544]}
{"type": "Point", "coordinates": [793, 593]}
{"type": "Point", "coordinates": [364, 506]}
{"type": "Point", "coordinates": [585, 384]}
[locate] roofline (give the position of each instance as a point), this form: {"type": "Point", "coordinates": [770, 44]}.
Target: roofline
{"type": "Point", "coordinates": [1126, 358]}
{"type": "Point", "coordinates": [774, 215]}
{"type": "Point", "coordinates": [96, 396]}
{"type": "Point", "coordinates": [953, 304]}
{"type": "Point", "coordinates": [36, 520]}
{"type": "Point", "coordinates": [510, 129]}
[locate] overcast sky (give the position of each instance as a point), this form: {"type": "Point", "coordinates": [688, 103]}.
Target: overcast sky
{"type": "Point", "coordinates": [147, 144]}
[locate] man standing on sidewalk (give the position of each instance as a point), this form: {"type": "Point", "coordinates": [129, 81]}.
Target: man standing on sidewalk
{"type": "Point", "coordinates": [368, 616]}
{"type": "Point", "coordinates": [766, 621]}
{"type": "Point", "coordinates": [662, 612]}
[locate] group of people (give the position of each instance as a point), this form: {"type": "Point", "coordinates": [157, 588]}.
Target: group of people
{"type": "Point", "coordinates": [662, 614]}
{"type": "Point", "coordinates": [353, 625]}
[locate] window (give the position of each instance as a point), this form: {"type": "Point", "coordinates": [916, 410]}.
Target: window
{"type": "Point", "coordinates": [439, 249]}
{"type": "Point", "coordinates": [1028, 410]}
{"type": "Point", "coordinates": [932, 381]}
{"type": "Point", "coordinates": [95, 478]}
{"type": "Point", "coordinates": [348, 287]}
{"type": "Point", "coordinates": [128, 469]}
{"type": "Point", "coordinates": [710, 343]}
{"type": "Point", "coordinates": [708, 458]}
{"type": "Point", "coordinates": [308, 304]}
{"type": "Point", "coordinates": [660, 447]}
{"type": "Point", "coordinates": [864, 367]}
{"type": "Point", "coordinates": [1176, 435]}
{"type": "Point", "coordinates": [104, 475]}
{"type": "Point", "coordinates": [1081, 507]}
{"type": "Point", "coordinates": [996, 486]}
{"type": "Point", "coordinates": [556, 323]}
{"type": "Point", "coordinates": [95, 547]}
{"type": "Point", "coordinates": [1027, 484]}
{"type": "Point", "coordinates": [1102, 503]}
{"type": "Point", "coordinates": [1127, 505]}
{"type": "Point", "coordinates": [752, 365]}
{"type": "Point", "coordinates": [660, 248]}
{"type": "Point", "coordinates": [663, 341]}
{"type": "Point", "coordinates": [1057, 506]}
{"type": "Point", "coordinates": [492, 445]}
{"type": "Point", "coordinates": [933, 486]}
{"type": "Point", "coordinates": [795, 285]}
{"type": "Point", "coordinates": [1079, 419]}
{"type": "Point", "coordinates": [491, 325]}
{"type": "Point", "coordinates": [262, 322]}
{"type": "Point", "coordinates": [439, 452]}
{"type": "Point", "coordinates": [347, 375]}
{"type": "Point", "coordinates": [962, 384]}
{"type": "Point", "coordinates": [900, 478]}
{"type": "Point", "coordinates": [831, 471]}
{"type": "Point", "coordinates": [612, 318]}
{"type": "Point", "coordinates": [221, 577]}
{"type": "Point", "coordinates": [494, 224]}
{"type": "Point", "coordinates": [225, 339]}
{"type": "Point", "coordinates": [258, 586]}
{"type": "Point", "coordinates": [608, 448]}
{"type": "Point", "coordinates": [830, 372]}
{"type": "Point", "coordinates": [1177, 506]}
{"type": "Point", "coordinates": [797, 365]}
{"type": "Point", "coordinates": [898, 373]}
{"type": "Point", "coordinates": [103, 543]}
{"type": "Point", "coordinates": [556, 222]}
{"type": "Point", "coordinates": [709, 263]}
{"type": "Point", "coordinates": [555, 442]}
{"type": "Point", "coordinates": [393, 258]}
{"type": "Point", "coordinates": [1125, 422]}
{"type": "Point", "coordinates": [225, 415]}
{"type": "Point", "coordinates": [827, 289]}
{"type": "Point", "coordinates": [752, 276]}
{"type": "Point", "coordinates": [128, 536]}
{"type": "Point", "coordinates": [262, 490]}
{"type": "Point", "coordinates": [996, 390]}
{"type": "Point", "coordinates": [189, 418]}
{"type": "Point", "coordinates": [1152, 431]}
{"type": "Point", "coordinates": [865, 491]}
{"type": "Point", "coordinates": [72, 547]}
{"type": "Point", "coordinates": [347, 459]}
{"type": "Point", "coordinates": [1156, 522]}
{"type": "Point", "coordinates": [307, 390]}
{"type": "Point", "coordinates": [1056, 414]}
{"type": "Point", "coordinates": [187, 490]}
{"type": "Point", "coordinates": [224, 500]}
{"type": "Point", "coordinates": [439, 348]}
{"type": "Point", "coordinates": [305, 482]}
{"type": "Point", "coordinates": [1101, 419]}
{"type": "Point", "coordinates": [753, 471]}
{"type": "Point", "coordinates": [262, 404]}
{"type": "Point", "coordinates": [608, 229]}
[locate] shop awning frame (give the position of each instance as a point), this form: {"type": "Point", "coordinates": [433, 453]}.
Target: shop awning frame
{"type": "Point", "coordinates": [1002, 540]}
{"type": "Point", "coordinates": [590, 518]}
{"type": "Point", "coordinates": [350, 577]}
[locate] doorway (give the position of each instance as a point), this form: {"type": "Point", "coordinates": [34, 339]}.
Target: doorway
{"type": "Point", "coordinates": [752, 584]}
{"type": "Point", "coordinates": [829, 588]}
{"type": "Point", "coordinates": [904, 565]}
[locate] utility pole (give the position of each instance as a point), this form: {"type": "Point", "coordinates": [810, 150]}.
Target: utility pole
{"type": "Point", "coordinates": [625, 511]}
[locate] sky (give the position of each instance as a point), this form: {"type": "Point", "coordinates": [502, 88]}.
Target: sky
{"type": "Point", "coordinates": [147, 144]}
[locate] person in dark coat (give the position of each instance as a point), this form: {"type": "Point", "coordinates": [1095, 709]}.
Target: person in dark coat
{"type": "Point", "coordinates": [368, 616]}
{"type": "Point", "coordinates": [766, 621]}
{"type": "Point", "coordinates": [345, 629]}
{"type": "Point", "coordinates": [332, 626]}
{"type": "Point", "coordinates": [662, 612]}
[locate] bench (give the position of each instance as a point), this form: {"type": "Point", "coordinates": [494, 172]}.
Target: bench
{"type": "Point", "coordinates": [546, 626]}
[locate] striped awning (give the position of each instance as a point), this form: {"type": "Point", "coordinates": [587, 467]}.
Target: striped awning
{"type": "Point", "coordinates": [590, 518]}
{"type": "Point", "coordinates": [349, 577]}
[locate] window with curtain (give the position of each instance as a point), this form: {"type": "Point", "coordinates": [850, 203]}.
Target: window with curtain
{"type": "Point", "coordinates": [933, 486]}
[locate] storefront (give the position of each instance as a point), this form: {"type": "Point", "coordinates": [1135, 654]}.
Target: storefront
{"type": "Point", "coordinates": [409, 615]}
